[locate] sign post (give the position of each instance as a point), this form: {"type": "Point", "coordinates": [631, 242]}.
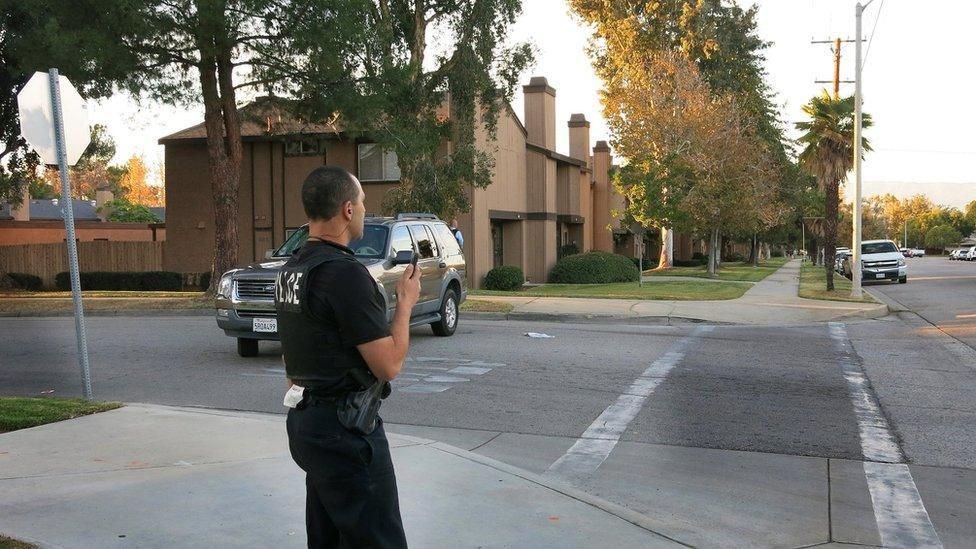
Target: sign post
{"type": "Point", "coordinates": [43, 115]}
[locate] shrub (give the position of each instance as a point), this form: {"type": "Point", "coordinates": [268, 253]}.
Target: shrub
{"type": "Point", "coordinates": [733, 257]}
{"type": "Point", "coordinates": [776, 253]}
{"type": "Point", "coordinates": [567, 250]}
{"type": "Point", "coordinates": [504, 278]}
{"type": "Point", "coordinates": [137, 281]}
{"type": "Point", "coordinates": [29, 282]}
{"type": "Point", "coordinates": [594, 268]}
{"type": "Point", "coordinates": [698, 256]}
{"type": "Point", "coordinates": [205, 280]}
{"type": "Point", "coordinates": [690, 262]}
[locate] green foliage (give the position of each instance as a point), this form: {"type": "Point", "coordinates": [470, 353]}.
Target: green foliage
{"type": "Point", "coordinates": [21, 413]}
{"type": "Point", "coordinates": [131, 281]}
{"type": "Point", "coordinates": [594, 268]}
{"type": "Point", "coordinates": [942, 236]}
{"type": "Point", "coordinates": [567, 250]}
{"type": "Point", "coordinates": [504, 278]}
{"type": "Point", "coordinates": [122, 210]}
{"type": "Point", "coordinates": [29, 282]}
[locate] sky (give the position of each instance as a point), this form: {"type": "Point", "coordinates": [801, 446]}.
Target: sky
{"type": "Point", "coordinates": [916, 85]}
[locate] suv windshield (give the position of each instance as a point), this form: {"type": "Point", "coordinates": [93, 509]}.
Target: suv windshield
{"type": "Point", "coordinates": [878, 248]}
{"type": "Point", "coordinates": [371, 245]}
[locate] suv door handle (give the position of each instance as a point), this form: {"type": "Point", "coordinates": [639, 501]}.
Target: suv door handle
{"type": "Point", "coordinates": [442, 264]}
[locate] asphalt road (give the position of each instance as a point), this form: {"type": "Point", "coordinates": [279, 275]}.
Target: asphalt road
{"type": "Point", "coordinates": [778, 398]}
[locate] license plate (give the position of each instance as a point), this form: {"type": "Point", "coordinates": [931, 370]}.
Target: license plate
{"type": "Point", "coordinates": [879, 275]}
{"type": "Point", "coordinates": [266, 325]}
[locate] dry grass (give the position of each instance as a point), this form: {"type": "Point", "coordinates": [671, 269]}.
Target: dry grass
{"type": "Point", "coordinates": [55, 304]}
{"type": "Point", "coordinates": [813, 283]}
{"type": "Point", "coordinates": [486, 306]}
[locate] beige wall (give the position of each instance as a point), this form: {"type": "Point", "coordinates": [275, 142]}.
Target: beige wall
{"type": "Point", "coordinates": [52, 232]}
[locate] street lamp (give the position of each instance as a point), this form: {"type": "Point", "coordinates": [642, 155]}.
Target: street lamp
{"type": "Point", "coordinates": [858, 146]}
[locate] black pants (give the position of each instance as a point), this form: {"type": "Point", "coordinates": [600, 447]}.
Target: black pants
{"type": "Point", "coordinates": [351, 493]}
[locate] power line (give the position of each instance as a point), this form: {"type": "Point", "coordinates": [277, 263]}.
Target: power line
{"type": "Point", "coordinates": [871, 39]}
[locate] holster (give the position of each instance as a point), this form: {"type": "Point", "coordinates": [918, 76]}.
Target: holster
{"type": "Point", "coordinates": [358, 410]}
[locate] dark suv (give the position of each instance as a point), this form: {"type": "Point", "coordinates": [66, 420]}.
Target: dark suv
{"type": "Point", "coordinates": [245, 297]}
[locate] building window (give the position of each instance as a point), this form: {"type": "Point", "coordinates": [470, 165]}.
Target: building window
{"type": "Point", "coordinates": [305, 146]}
{"type": "Point", "coordinates": [377, 163]}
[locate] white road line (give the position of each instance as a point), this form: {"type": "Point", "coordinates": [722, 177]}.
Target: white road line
{"type": "Point", "coordinates": [898, 509]}
{"type": "Point", "coordinates": [595, 444]}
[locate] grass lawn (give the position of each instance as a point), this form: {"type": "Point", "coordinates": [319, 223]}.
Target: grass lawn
{"type": "Point", "coordinates": [8, 543]}
{"type": "Point", "coordinates": [56, 302]}
{"type": "Point", "coordinates": [729, 271]}
{"type": "Point", "coordinates": [484, 306]}
{"type": "Point", "coordinates": [665, 289]}
{"type": "Point", "coordinates": [21, 413]}
{"type": "Point", "coordinates": [813, 280]}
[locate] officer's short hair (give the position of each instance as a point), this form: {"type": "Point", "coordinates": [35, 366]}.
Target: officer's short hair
{"type": "Point", "coordinates": [326, 189]}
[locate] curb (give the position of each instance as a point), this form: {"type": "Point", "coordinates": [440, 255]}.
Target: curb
{"type": "Point", "coordinates": [589, 319]}
{"type": "Point", "coordinates": [893, 306]}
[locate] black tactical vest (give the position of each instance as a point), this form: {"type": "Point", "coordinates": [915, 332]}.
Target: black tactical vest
{"type": "Point", "coordinates": [314, 356]}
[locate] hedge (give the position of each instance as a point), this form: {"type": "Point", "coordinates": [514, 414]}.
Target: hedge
{"type": "Point", "coordinates": [594, 268]}
{"type": "Point", "coordinates": [137, 281]}
{"type": "Point", "coordinates": [29, 282]}
{"type": "Point", "coordinates": [504, 278]}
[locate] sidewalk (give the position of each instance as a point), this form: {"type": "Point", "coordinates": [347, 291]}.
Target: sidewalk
{"type": "Point", "coordinates": [771, 301]}
{"type": "Point", "coordinates": [154, 476]}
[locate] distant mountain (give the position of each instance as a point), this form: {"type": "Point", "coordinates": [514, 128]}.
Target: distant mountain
{"type": "Point", "coordinates": [947, 194]}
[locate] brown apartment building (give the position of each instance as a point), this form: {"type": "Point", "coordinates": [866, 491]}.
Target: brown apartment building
{"type": "Point", "coordinates": [539, 199]}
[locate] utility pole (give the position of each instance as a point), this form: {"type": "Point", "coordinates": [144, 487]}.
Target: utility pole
{"type": "Point", "coordinates": [858, 146]}
{"type": "Point", "coordinates": [836, 51]}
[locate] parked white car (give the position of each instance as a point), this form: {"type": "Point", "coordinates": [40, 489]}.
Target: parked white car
{"type": "Point", "coordinates": [918, 252]}
{"type": "Point", "coordinates": [880, 260]}
{"type": "Point", "coordinates": [960, 254]}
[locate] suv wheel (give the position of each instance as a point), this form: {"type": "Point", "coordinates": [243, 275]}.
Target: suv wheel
{"type": "Point", "coordinates": [449, 315]}
{"type": "Point", "coordinates": [247, 347]}
{"type": "Point", "coordinates": [903, 280]}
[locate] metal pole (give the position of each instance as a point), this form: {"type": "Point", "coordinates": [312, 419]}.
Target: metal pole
{"type": "Point", "coordinates": [856, 252]}
{"type": "Point", "coordinates": [69, 225]}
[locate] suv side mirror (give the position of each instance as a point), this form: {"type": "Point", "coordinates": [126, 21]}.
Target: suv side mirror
{"type": "Point", "coordinates": [269, 253]}
{"type": "Point", "coordinates": [403, 257]}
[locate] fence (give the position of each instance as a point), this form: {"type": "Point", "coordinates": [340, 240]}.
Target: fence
{"type": "Point", "coordinates": [47, 260]}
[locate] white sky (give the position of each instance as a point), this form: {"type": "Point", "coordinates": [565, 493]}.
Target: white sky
{"type": "Point", "coordinates": [918, 85]}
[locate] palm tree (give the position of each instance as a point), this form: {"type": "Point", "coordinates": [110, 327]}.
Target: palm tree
{"type": "Point", "coordinates": [828, 154]}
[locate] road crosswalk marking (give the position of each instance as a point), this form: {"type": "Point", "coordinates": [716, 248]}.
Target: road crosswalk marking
{"type": "Point", "coordinates": [595, 444]}
{"type": "Point", "coordinates": [898, 509]}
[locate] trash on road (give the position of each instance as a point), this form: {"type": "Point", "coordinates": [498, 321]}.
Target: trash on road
{"type": "Point", "coordinates": [537, 335]}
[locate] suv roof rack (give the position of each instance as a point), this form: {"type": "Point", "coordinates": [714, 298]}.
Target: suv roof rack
{"type": "Point", "coordinates": [417, 216]}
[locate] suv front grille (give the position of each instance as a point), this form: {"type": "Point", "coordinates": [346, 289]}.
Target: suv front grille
{"type": "Point", "coordinates": [257, 314]}
{"type": "Point", "coordinates": [255, 289]}
{"type": "Point", "coordinates": [881, 264]}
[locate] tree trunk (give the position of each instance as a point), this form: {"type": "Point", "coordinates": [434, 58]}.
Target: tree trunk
{"type": "Point", "coordinates": [666, 260]}
{"type": "Point", "coordinates": [718, 250]}
{"type": "Point", "coordinates": [712, 252]}
{"type": "Point", "coordinates": [224, 148]}
{"type": "Point", "coordinates": [830, 231]}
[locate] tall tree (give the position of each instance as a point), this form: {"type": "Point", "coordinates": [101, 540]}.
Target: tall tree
{"type": "Point", "coordinates": [187, 52]}
{"type": "Point", "coordinates": [721, 41]}
{"type": "Point", "coordinates": [430, 73]}
{"type": "Point", "coordinates": [828, 154]}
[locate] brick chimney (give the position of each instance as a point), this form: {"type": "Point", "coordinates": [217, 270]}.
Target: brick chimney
{"type": "Point", "coordinates": [540, 112]}
{"type": "Point", "coordinates": [602, 238]}
{"type": "Point", "coordinates": [579, 137]}
{"type": "Point", "coordinates": [102, 196]}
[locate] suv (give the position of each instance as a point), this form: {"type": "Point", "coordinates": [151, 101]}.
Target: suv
{"type": "Point", "coordinates": [245, 297]}
{"type": "Point", "coordinates": [880, 260]}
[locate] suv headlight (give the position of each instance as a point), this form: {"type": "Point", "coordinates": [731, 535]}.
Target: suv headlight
{"type": "Point", "coordinates": [901, 262]}
{"type": "Point", "coordinates": [225, 287]}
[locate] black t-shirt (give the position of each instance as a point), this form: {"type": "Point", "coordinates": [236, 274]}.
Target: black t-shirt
{"type": "Point", "coordinates": [343, 294]}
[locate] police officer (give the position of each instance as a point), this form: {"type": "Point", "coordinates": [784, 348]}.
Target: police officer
{"type": "Point", "coordinates": [332, 319]}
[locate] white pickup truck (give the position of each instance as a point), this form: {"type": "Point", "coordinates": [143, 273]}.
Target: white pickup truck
{"type": "Point", "coordinates": [880, 260]}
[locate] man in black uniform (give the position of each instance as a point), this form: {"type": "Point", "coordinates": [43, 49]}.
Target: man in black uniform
{"type": "Point", "coordinates": [332, 320]}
